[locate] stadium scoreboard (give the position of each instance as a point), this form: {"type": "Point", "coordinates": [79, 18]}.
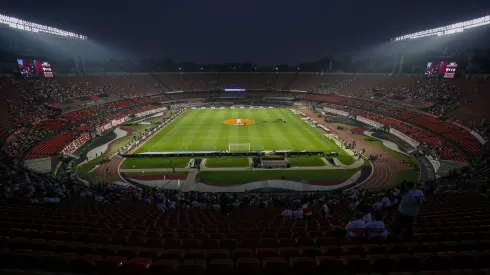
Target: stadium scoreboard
{"type": "Point", "coordinates": [34, 68]}
{"type": "Point", "coordinates": [441, 69]}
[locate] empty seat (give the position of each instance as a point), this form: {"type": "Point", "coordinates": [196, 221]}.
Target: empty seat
{"type": "Point", "coordinates": [310, 251]}
{"type": "Point", "coordinates": [229, 243]}
{"type": "Point", "coordinates": [275, 266]}
{"type": "Point", "coordinates": [248, 266]}
{"type": "Point", "coordinates": [302, 265]}
{"type": "Point", "coordinates": [242, 253]}
{"type": "Point", "coordinates": [356, 263]}
{"type": "Point", "coordinates": [196, 254]}
{"type": "Point", "coordinates": [111, 264]}
{"type": "Point", "coordinates": [137, 266]}
{"type": "Point", "coordinates": [195, 267]}
{"type": "Point", "coordinates": [381, 263]}
{"type": "Point", "coordinates": [328, 264]}
{"type": "Point", "coordinates": [85, 263]}
{"type": "Point", "coordinates": [288, 252]}
{"type": "Point", "coordinates": [221, 266]}
{"type": "Point", "coordinates": [164, 266]}
{"type": "Point", "coordinates": [286, 242]}
{"type": "Point", "coordinates": [218, 254]}
{"type": "Point", "coordinates": [268, 243]}
{"type": "Point", "coordinates": [265, 253]}
{"type": "Point", "coordinates": [175, 254]}
{"type": "Point", "coordinates": [210, 243]}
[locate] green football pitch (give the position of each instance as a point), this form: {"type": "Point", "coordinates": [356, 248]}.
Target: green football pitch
{"type": "Point", "coordinates": [205, 130]}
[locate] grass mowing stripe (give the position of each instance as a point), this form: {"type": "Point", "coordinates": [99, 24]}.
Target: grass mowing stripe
{"type": "Point", "coordinates": [314, 138]}
{"type": "Point", "coordinates": [227, 162]}
{"type": "Point", "coordinates": [203, 129]}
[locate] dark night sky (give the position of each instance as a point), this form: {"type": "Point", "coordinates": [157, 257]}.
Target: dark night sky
{"type": "Point", "coordinates": [266, 32]}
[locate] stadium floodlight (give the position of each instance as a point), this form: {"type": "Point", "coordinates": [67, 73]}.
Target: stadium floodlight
{"type": "Point", "coordinates": [37, 28]}
{"type": "Point", "coordinates": [450, 29]}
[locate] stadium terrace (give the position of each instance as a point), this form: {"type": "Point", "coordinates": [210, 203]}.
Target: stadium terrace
{"type": "Point", "coordinates": [243, 172]}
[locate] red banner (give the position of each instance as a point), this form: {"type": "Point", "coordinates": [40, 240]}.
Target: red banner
{"type": "Point", "coordinates": [74, 145]}
{"type": "Point", "coordinates": [109, 125]}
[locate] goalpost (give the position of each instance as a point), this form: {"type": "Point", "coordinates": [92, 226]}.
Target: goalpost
{"type": "Point", "coordinates": [239, 147]}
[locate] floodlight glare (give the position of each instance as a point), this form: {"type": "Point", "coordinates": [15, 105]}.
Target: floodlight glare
{"type": "Point", "coordinates": [37, 28]}
{"type": "Point", "coordinates": [450, 29]}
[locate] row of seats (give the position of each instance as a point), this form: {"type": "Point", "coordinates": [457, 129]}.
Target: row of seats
{"type": "Point", "coordinates": [138, 246]}
{"type": "Point", "coordinates": [55, 144]}
{"type": "Point", "coordinates": [244, 263]}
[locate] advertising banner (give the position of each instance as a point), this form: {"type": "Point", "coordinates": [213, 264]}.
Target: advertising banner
{"type": "Point", "coordinates": [335, 111]}
{"type": "Point", "coordinates": [369, 122]}
{"type": "Point", "coordinates": [404, 137]}
{"type": "Point", "coordinates": [74, 145]}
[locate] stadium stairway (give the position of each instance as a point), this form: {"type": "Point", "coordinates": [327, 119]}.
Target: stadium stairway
{"type": "Point", "coordinates": [448, 165]}
{"type": "Point", "coordinates": [189, 181]}
{"type": "Point", "coordinates": [426, 169]}
{"type": "Point", "coordinates": [161, 82]}
{"type": "Point", "coordinates": [290, 81]}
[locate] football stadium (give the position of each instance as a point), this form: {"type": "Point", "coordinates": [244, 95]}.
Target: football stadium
{"type": "Point", "coordinates": [378, 165]}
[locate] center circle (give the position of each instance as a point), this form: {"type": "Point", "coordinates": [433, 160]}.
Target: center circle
{"type": "Point", "coordinates": [239, 121]}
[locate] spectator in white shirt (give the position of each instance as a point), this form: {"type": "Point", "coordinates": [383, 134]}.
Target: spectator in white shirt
{"type": "Point", "coordinates": [298, 213]}
{"type": "Point", "coordinates": [217, 207]}
{"type": "Point", "coordinates": [352, 205]}
{"type": "Point", "coordinates": [326, 210]}
{"type": "Point", "coordinates": [376, 228]}
{"type": "Point", "coordinates": [367, 218]}
{"type": "Point", "coordinates": [408, 209]}
{"type": "Point", "coordinates": [354, 194]}
{"type": "Point", "coordinates": [396, 192]}
{"type": "Point", "coordinates": [161, 207]}
{"type": "Point", "coordinates": [287, 213]}
{"type": "Point", "coordinates": [354, 228]}
{"type": "Point", "coordinates": [385, 202]}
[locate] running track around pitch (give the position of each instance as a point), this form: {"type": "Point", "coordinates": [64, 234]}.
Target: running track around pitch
{"type": "Point", "coordinates": [380, 178]}
{"type": "Point", "coordinates": [382, 167]}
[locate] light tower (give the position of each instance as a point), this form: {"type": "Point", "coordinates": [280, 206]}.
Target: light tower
{"type": "Point", "coordinates": [71, 37]}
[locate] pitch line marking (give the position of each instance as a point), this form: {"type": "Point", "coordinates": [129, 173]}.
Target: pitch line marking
{"type": "Point", "coordinates": [188, 145]}
{"type": "Point", "coordinates": [289, 143]}
{"type": "Point", "coordinates": [230, 138]}
{"type": "Point", "coordinates": [163, 128]}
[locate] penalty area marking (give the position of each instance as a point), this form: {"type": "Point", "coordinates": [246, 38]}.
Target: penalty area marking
{"type": "Point", "coordinates": [188, 145]}
{"type": "Point", "coordinates": [289, 143]}
{"type": "Point", "coordinates": [199, 138]}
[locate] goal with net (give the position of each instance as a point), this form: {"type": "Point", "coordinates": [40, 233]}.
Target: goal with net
{"type": "Point", "coordinates": [239, 147]}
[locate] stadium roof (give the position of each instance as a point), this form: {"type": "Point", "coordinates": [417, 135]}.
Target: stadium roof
{"type": "Point", "coordinates": [450, 29]}
{"type": "Point", "coordinates": [37, 28]}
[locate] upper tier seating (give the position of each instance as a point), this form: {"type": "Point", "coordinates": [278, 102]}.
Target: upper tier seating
{"type": "Point", "coordinates": [128, 86]}
{"type": "Point", "coordinates": [24, 100]}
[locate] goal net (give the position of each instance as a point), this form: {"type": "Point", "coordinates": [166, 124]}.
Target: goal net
{"type": "Point", "coordinates": [239, 147]}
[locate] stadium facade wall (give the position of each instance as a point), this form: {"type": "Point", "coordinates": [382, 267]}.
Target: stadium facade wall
{"type": "Point", "coordinates": [480, 138]}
